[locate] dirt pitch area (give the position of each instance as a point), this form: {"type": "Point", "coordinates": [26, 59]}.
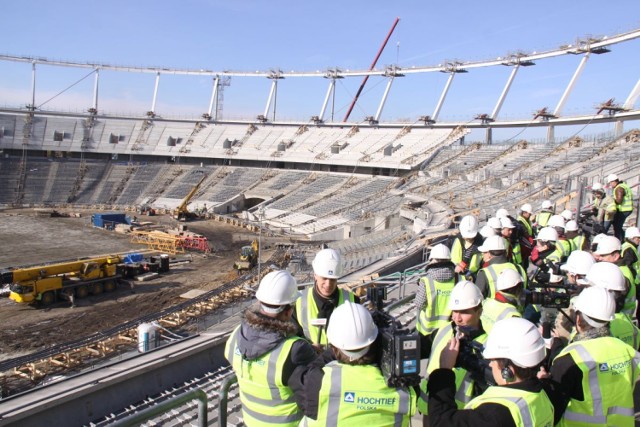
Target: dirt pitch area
{"type": "Point", "coordinates": [26, 240]}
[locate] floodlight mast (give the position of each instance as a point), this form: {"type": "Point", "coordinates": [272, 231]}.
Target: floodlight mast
{"type": "Point", "coordinates": [373, 65]}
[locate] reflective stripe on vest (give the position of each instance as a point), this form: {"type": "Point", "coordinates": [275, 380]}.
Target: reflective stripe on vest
{"type": "Point", "coordinates": [526, 224]}
{"type": "Point", "coordinates": [542, 219]}
{"type": "Point", "coordinates": [360, 395]}
{"type": "Point", "coordinates": [265, 399]}
{"type": "Point", "coordinates": [437, 313]}
{"type": "Point", "coordinates": [464, 382]}
{"type": "Point", "coordinates": [492, 271]}
{"type": "Point", "coordinates": [527, 409]}
{"type": "Point", "coordinates": [630, 300]}
{"type": "Point", "coordinates": [307, 310]}
{"type": "Point", "coordinates": [627, 200]}
{"type": "Point", "coordinates": [607, 382]}
{"type": "Point", "coordinates": [494, 310]}
{"type": "Point", "coordinates": [579, 242]}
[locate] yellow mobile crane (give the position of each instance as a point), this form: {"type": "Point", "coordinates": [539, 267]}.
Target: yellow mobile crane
{"type": "Point", "coordinates": [181, 213]}
{"type": "Point", "coordinates": [46, 283]}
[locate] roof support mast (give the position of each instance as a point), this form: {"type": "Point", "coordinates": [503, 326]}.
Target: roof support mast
{"type": "Point", "coordinates": [373, 65]}
{"type": "Point", "coordinates": [565, 95]}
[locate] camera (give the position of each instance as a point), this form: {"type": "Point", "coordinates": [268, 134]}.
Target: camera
{"type": "Point", "coordinates": [399, 350]}
{"type": "Point", "coordinates": [547, 298]}
{"type": "Point", "coordinates": [470, 359]}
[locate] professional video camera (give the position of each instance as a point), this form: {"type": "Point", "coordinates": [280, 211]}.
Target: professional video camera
{"type": "Point", "coordinates": [470, 359]}
{"type": "Point", "coordinates": [547, 298]}
{"type": "Point", "coordinates": [549, 295]}
{"type": "Point", "coordinates": [399, 347]}
{"type": "Point", "coordinates": [587, 221]}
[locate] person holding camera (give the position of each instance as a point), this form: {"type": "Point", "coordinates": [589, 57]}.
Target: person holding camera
{"type": "Point", "coordinates": [345, 384]}
{"type": "Point", "coordinates": [597, 371]}
{"type": "Point", "coordinates": [314, 308]}
{"type": "Point", "coordinates": [518, 397]}
{"type": "Point", "coordinates": [264, 350]}
{"type": "Point", "coordinates": [546, 251]}
{"type": "Point", "coordinates": [432, 296]}
{"type": "Point", "coordinates": [465, 304]}
{"type": "Point", "coordinates": [509, 288]}
{"type": "Point", "coordinates": [494, 254]}
{"type": "Point", "coordinates": [623, 197]}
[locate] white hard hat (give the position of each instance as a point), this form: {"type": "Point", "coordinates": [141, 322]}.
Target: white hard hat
{"type": "Point", "coordinates": [351, 329]}
{"type": "Point", "coordinates": [487, 231]}
{"type": "Point", "coordinates": [571, 226]}
{"type": "Point", "coordinates": [579, 262]}
{"type": "Point", "coordinates": [598, 304]}
{"type": "Point", "coordinates": [556, 221]}
{"type": "Point", "coordinates": [597, 238]}
{"type": "Point", "coordinates": [468, 227]}
{"type": "Point", "coordinates": [502, 213]}
{"type": "Point", "coordinates": [607, 245]}
{"type": "Point", "coordinates": [548, 233]}
{"type": "Point", "coordinates": [607, 275]}
{"type": "Point", "coordinates": [597, 187]}
{"type": "Point", "coordinates": [631, 232]}
{"type": "Point", "coordinates": [328, 264]}
{"type": "Point", "coordinates": [506, 223]}
{"type": "Point", "coordinates": [566, 214]}
{"type": "Point", "coordinates": [277, 288]}
{"type": "Point", "coordinates": [527, 208]}
{"type": "Point", "coordinates": [612, 177]}
{"type": "Point", "coordinates": [439, 251]}
{"type": "Point", "coordinates": [515, 339]}
{"type": "Point", "coordinates": [494, 223]}
{"type": "Point", "coordinates": [546, 204]}
{"type": "Point", "coordinates": [507, 279]}
{"type": "Point", "coordinates": [464, 295]}
{"type": "Point", "coordinates": [493, 243]}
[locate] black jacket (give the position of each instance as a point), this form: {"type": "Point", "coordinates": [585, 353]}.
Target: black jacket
{"type": "Point", "coordinates": [260, 334]}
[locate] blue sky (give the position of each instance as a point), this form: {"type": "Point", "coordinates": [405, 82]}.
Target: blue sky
{"type": "Point", "coordinates": [249, 35]}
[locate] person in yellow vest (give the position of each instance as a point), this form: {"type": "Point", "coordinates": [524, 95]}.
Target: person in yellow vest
{"type": "Point", "coordinates": [629, 251]}
{"type": "Point", "coordinates": [607, 275]}
{"type": "Point", "coordinates": [514, 251]}
{"type": "Point", "coordinates": [519, 398]}
{"type": "Point", "coordinates": [542, 218]}
{"type": "Point", "coordinates": [313, 309]}
{"type": "Point", "coordinates": [546, 250]}
{"type": "Point", "coordinates": [597, 371]}
{"type": "Point", "coordinates": [466, 308]}
{"type": "Point", "coordinates": [608, 250]}
{"type": "Point", "coordinates": [578, 241]}
{"type": "Point", "coordinates": [527, 233]}
{"type": "Point", "coordinates": [494, 253]}
{"type": "Point", "coordinates": [263, 352]}
{"type": "Point", "coordinates": [346, 386]}
{"type": "Point", "coordinates": [505, 304]}
{"type": "Point", "coordinates": [576, 269]}
{"type": "Point", "coordinates": [464, 249]}
{"type": "Point", "coordinates": [623, 196]}
{"type": "Point", "coordinates": [432, 296]}
{"type": "Point", "coordinates": [563, 244]}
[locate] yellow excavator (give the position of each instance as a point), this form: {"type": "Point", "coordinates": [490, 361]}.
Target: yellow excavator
{"type": "Point", "coordinates": [181, 213]}
{"type": "Point", "coordinates": [248, 257]}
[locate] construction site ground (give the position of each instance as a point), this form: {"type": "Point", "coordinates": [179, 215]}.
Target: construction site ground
{"type": "Point", "coordinates": [26, 239]}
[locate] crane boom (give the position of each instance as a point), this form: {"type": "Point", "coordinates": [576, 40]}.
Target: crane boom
{"type": "Point", "coordinates": [373, 65]}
